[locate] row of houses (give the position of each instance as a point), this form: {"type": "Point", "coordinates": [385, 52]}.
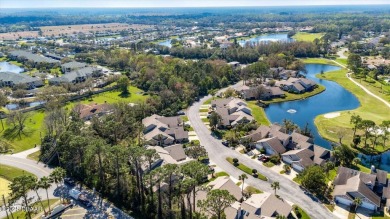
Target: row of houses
{"type": "Point", "coordinates": [295, 149]}
{"type": "Point", "coordinates": [77, 76]}
{"type": "Point", "coordinates": [266, 92]}
{"type": "Point", "coordinates": [22, 56]}
{"type": "Point", "coordinates": [10, 79]}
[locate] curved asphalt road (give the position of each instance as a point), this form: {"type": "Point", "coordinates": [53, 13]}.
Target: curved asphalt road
{"type": "Point", "coordinates": [218, 153]}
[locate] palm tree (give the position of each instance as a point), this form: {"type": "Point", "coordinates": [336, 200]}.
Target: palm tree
{"type": "Point", "coordinates": [45, 183]}
{"type": "Point", "coordinates": [357, 202]}
{"type": "Point", "coordinates": [36, 187]}
{"type": "Point", "coordinates": [275, 186]}
{"type": "Point", "coordinates": [57, 176]}
{"type": "Point", "coordinates": [243, 177]}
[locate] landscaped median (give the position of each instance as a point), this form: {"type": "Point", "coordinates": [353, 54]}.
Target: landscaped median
{"type": "Point", "coordinates": [246, 169]}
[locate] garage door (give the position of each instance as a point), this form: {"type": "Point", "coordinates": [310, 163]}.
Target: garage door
{"type": "Point", "coordinates": [297, 167]}
{"type": "Point", "coordinates": [368, 206]}
{"type": "Point", "coordinates": [287, 159]}
{"type": "Point", "coordinates": [343, 201]}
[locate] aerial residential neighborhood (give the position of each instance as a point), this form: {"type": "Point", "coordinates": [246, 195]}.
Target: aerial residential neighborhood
{"type": "Point", "coordinates": [204, 109]}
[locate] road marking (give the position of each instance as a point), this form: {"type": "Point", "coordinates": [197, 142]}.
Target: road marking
{"type": "Point", "coordinates": [35, 167]}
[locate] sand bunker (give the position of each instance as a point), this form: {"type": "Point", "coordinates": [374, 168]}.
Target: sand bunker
{"type": "Point", "coordinates": [331, 115]}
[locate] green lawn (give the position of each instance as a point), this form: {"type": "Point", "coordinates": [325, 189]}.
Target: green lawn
{"type": "Point", "coordinates": [219, 174]}
{"type": "Point", "coordinates": [330, 207]}
{"type": "Point", "coordinates": [252, 190]}
{"type": "Point", "coordinates": [370, 108]}
{"type": "Point", "coordinates": [9, 173]}
{"type": "Point", "coordinates": [318, 61]}
{"type": "Point", "coordinates": [31, 134]}
{"type": "Point", "coordinates": [34, 156]}
{"type": "Point", "coordinates": [258, 113]}
{"type": "Point", "coordinates": [291, 97]}
{"type": "Point", "coordinates": [36, 205]}
{"type": "Point", "coordinates": [269, 164]}
{"type": "Point", "coordinates": [309, 37]}
{"type": "Point", "coordinates": [376, 87]}
{"type": "Point", "coordinates": [246, 169]}
{"type": "Point", "coordinates": [342, 61]}
{"type": "Point", "coordinates": [351, 215]}
{"type": "Point", "coordinates": [203, 110]}
{"type": "Point", "coordinates": [136, 96]}
{"type": "Point", "coordinates": [304, 215]}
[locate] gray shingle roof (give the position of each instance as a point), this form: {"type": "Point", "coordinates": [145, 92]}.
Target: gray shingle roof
{"type": "Point", "coordinates": [32, 57]}
{"type": "Point", "coordinates": [19, 78]}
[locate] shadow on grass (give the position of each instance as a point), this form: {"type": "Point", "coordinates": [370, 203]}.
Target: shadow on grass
{"type": "Point", "coordinates": [124, 95]}
{"type": "Point", "coordinates": [13, 133]}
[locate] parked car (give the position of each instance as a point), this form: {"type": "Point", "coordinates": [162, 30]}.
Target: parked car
{"type": "Point", "coordinates": [226, 143]}
{"type": "Point", "coordinates": [78, 196]}
{"type": "Point", "coordinates": [181, 113]}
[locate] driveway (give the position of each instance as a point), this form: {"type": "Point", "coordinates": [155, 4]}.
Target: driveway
{"type": "Point", "coordinates": [218, 153]}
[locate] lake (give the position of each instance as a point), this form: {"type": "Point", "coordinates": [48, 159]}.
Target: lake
{"type": "Point", "coordinates": [166, 43]}
{"type": "Point", "coordinates": [6, 66]}
{"type": "Point", "coordinates": [266, 38]}
{"type": "Point", "coordinates": [334, 98]}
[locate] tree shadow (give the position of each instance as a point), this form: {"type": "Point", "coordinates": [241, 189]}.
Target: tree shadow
{"type": "Point", "coordinates": [14, 133]}
{"type": "Point", "coordinates": [124, 95]}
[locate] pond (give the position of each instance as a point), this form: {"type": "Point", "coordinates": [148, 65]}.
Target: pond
{"type": "Point", "coordinates": [15, 106]}
{"type": "Point", "coordinates": [334, 98]}
{"type": "Point", "coordinates": [266, 38]}
{"type": "Point", "coordinates": [166, 43]}
{"type": "Point", "coordinates": [8, 67]}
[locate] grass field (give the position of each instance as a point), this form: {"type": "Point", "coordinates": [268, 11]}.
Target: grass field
{"type": "Point", "coordinates": [318, 61]}
{"type": "Point", "coordinates": [370, 108]}
{"type": "Point", "coordinates": [136, 96]}
{"type": "Point", "coordinates": [258, 113]}
{"type": "Point", "coordinates": [252, 190]}
{"type": "Point", "coordinates": [4, 190]}
{"type": "Point", "coordinates": [342, 61]}
{"type": "Point", "coordinates": [376, 87]}
{"type": "Point", "coordinates": [309, 37]}
{"type": "Point", "coordinates": [34, 156]}
{"type": "Point", "coordinates": [7, 174]}
{"type": "Point", "coordinates": [31, 133]}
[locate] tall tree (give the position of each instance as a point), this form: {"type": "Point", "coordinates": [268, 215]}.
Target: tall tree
{"type": "Point", "coordinates": [216, 202]}
{"type": "Point", "coordinates": [357, 202]}
{"type": "Point", "coordinates": [367, 126]}
{"type": "Point", "coordinates": [20, 187]}
{"type": "Point", "coordinates": [355, 121]}
{"type": "Point", "coordinates": [313, 178]}
{"type": "Point", "coordinates": [243, 177]}
{"type": "Point", "coordinates": [45, 183]}
{"type": "Point", "coordinates": [275, 186]}
{"type": "Point", "coordinates": [215, 120]}
{"type": "Point", "coordinates": [196, 171]}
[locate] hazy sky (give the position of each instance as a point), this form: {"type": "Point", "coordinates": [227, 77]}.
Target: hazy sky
{"type": "Point", "coordinates": [175, 3]}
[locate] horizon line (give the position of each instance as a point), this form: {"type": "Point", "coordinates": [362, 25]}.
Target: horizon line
{"type": "Point", "coordinates": [223, 6]}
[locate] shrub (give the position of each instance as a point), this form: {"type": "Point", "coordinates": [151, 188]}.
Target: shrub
{"type": "Point", "coordinates": [254, 171]}
{"type": "Point", "coordinates": [235, 161]}
{"type": "Point", "coordinates": [275, 159]}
